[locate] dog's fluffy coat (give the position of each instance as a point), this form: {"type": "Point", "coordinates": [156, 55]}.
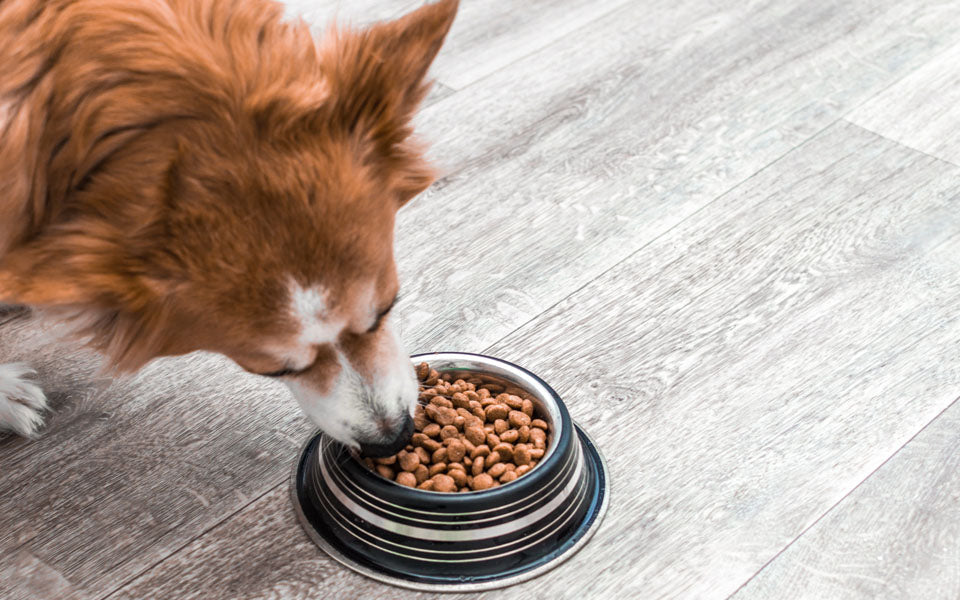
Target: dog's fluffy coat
{"type": "Point", "coordinates": [169, 169]}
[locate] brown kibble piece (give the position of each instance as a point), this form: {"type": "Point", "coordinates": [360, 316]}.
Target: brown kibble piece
{"type": "Point", "coordinates": [410, 461]}
{"type": "Point", "coordinates": [423, 371]}
{"type": "Point", "coordinates": [472, 396]}
{"type": "Point", "coordinates": [496, 411]}
{"type": "Point", "coordinates": [449, 431]}
{"type": "Point", "coordinates": [430, 445]}
{"type": "Point", "coordinates": [481, 482]}
{"type": "Point", "coordinates": [421, 473]}
{"type": "Point", "coordinates": [508, 476]}
{"type": "Point", "coordinates": [456, 451]}
{"type": "Point", "coordinates": [538, 437]}
{"type": "Point", "coordinates": [524, 434]}
{"type": "Point", "coordinates": [491, 459]}
{"type": "Point", "coordinates": [406, 478]}
{"type": "Point", "coordinates": [423, 454]}
{"type": "Point", "coordinates": [441, 402]}
{"type": "Point", "coordinates": [514, 402]}
{"type": "Point", "coordinates": [459, 421]}
{"type": "Point", "coordinates": [432, 430]}
{"type": "Point", "coordinates": [439, 455]}
{"type": "Point", "coordinates": [492, 439]}
{"type": "Point", "coordinates": [475, 435]}
{"type": "Point", "coordinates": [385, 471]}
{"type": "Point", "coordinates": [426, 485]}
{"type": "Point", "coordinates": [433, 377]}
{"type": "Point", "coordinates": [518, 419]}
{"type": "Point", "coordinates": [478, 466]}
{"type": "Point", "coordinates": [418, 438]}
{"type": "Point", "coordinates": [510, 466]}
{"type": "Point", "coordinates": [521, 455]}
{"type": "Point", "coordinates": [420, 418]}
{"type": "Point", "coordinates": [497, 470]}
{"type": "Point", "coordinates": [509, 436]}
{"type": "Point", "coordinates": [481, 450]}
{"type": "Point", "coordinates": [445, 416]}
{"type": "Point", "coordinates": [528, 408]}
{"type": "Point", "coordinates": [536, 453]}
{"type": "Point", "coordinates": [443, 483]}
{"type": "Point", "coordinates": [522, 469]}
{"type": "Point", "coordinates": [459, 476]}
{"type": "Point", "coordinates": [437, 468]}
{"type": "Point", "coordinates": [505, 451]}
{"type": "Point", "coordinates": [500, 426]}
{"type": "Point", "coordinates": [539, 424]}
{"type": "Point", "coordinates": [460, 400]}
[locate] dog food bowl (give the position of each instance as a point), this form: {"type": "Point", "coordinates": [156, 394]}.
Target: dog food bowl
{"type": "Point", "coordinates": [469, 541]}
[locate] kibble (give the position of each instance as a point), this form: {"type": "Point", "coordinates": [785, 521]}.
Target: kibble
{"type": "Point", "coordinates": [471, 435]}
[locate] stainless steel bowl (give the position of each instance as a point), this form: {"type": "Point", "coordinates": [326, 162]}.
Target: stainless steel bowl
{"type": "Point", "coordinates": [472, 541]}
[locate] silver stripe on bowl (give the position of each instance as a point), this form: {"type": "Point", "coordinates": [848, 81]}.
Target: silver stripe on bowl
{"type": "Point", "coordinates": [452, 535]}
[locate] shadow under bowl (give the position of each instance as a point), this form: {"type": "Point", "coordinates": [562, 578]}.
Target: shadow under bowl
{"type": "Point", "coordinates": [473, 541]}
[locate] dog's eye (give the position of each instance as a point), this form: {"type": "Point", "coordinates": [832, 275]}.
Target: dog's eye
{"type": "Point", "coordinates": [383, 315]}
{"type": "Point", "coordinates": [281, 373]}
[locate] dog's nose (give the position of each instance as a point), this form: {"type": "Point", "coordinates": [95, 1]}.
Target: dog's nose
{"type": "Point", "coordinates": [393, 445]}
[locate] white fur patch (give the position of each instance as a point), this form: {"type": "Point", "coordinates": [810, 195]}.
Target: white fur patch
{"type": "Point", "coordinates": [21, 401]}
{"type": "Point", "coordinates": [348, 412]}
{"type": "Point", "coordinates": [309, 307]}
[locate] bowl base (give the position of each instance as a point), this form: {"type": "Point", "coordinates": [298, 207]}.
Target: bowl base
{"type": "Point", "coordinates": [316, 529]}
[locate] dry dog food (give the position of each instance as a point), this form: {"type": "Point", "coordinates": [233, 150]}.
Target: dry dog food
{"type": "Point", "coordinates": [470, 435]}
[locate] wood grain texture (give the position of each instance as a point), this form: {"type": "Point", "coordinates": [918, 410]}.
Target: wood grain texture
{"type": "Point", "coordinates": [128, 471]}
{"type": "Point", "coordinates": [922, 110]}
{"type": "Point", "coordinates": [571, 159]}
{"type": "Point", "coordinates": [485, 37]}
{"type": "Point", "coordinates": [894, 537]}
{"type": "Point", "coordinates": [560, 164]}
{"type": "Point", "coordinates": [741, 373]}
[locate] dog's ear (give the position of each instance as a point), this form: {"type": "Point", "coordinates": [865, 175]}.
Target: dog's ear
{"type": "Point", "coordinates": [377, 75]}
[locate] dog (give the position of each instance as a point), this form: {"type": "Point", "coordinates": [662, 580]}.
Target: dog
{"type": "Point", "coordinates": [183, 175]}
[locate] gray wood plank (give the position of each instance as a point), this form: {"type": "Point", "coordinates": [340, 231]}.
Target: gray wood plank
{"type": "Point", "coordinates": [130, 470]}
{"type": "Point", "coordinates": [922, 110]}
{"type": "Point", "coordinates": [896, 536]}
{"type": "Point", "coordinates": [485, 37]}
{"type": "Point", "coordinates": [742, 373]}
{"type": "Point", "coordinates": [559, 166]}
{"type": "Point", "coordinates": [575, 157]}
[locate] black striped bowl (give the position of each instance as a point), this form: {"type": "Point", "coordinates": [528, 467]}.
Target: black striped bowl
{"type": "Point", "coordinates": [464, 541]}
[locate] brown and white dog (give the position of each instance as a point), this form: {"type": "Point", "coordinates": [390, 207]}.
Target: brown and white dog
{"type": "Point", "coordinates": [181, 175]}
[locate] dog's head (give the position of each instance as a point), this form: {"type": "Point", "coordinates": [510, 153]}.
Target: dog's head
{"type": "Point", "coordinates": [259, 224]}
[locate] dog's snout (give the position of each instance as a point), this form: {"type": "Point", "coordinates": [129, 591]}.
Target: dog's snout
{"type": "Point", "coordinates": [395, 438]}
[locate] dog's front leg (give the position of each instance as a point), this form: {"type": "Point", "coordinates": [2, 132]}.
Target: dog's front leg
{"type": "Point", "coordinates": [22, 402]}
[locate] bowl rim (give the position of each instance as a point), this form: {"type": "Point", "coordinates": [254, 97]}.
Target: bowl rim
{"type": "Point", "coordinates": [561, 426]}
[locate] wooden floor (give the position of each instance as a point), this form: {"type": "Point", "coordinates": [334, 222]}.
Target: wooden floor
{"type": "Point", "coordinates": [726, 231]}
